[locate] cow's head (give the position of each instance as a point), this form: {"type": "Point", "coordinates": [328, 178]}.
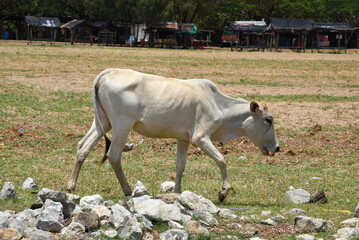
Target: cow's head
{"type": "Point", "coordinates": [259, 128]}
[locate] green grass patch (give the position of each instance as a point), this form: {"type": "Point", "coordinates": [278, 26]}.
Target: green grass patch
{"type": "Point", "coordinates": [243, 81]}
{"type": "Point", "coordinates": [302, 98]}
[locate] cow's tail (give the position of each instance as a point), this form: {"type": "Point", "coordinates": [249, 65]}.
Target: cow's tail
{"type": "Point", "coordinates": [96, 106]}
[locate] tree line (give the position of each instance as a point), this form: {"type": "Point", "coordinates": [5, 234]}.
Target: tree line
{"type": "Point", "coordinates": [207, 14]}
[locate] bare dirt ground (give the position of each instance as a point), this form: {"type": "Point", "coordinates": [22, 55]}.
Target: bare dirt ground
{"type": "Point", "coordinates": [321, 132]}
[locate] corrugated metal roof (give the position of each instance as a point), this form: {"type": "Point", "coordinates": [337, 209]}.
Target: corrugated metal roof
{"type": "Point", "coordinates": [49, 22]}
{"type": "Point", "coordinates": [77, 23]}
{"type": "Point", "coordinates": [290, 25]}
{"type": "Point", "coordinates": [247, 26]}
{"type": "Point", "coordinates": [338, 26]}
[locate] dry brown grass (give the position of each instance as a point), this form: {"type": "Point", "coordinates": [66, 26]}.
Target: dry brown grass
{"type": "Point", "coordinates": [313, 97]}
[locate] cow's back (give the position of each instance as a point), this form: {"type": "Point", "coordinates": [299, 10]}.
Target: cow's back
{"type": "Point", "coordinates": [159, 106]}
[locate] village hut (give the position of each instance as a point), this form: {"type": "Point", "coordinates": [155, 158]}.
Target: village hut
{"type": "Point", "coordinates": [78, 31]}
{"type": "Point", "coordinates": [42, 29]}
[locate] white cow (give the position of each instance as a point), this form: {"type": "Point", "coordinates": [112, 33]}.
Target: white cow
{"type": "Point", "coordinates": [191, 111]}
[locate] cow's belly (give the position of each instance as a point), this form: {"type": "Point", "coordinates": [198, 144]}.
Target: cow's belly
{"type": "Point", "coordinates": [165, 124]}
{"type": "Point", "coordinates": [156, 131]}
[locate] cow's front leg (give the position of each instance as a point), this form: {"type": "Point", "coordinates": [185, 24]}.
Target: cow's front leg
{"type": "Point", "coordinates": [182, 147]}
{"type": "Point", "coordinates": [206, 145]}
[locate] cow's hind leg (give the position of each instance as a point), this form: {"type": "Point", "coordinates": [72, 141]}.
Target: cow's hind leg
{"type": "Point", "coordinates": [206, 145]}
{"type": "Point", "coordinates": [182, 147]}
{"type": "Point", "coordinates": [120, 132]}
{"type": "Point", "coordinates": [83, 149]}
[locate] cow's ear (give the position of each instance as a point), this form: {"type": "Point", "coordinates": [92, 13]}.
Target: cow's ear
{"type": "Point", "coordinates": [254, 107]}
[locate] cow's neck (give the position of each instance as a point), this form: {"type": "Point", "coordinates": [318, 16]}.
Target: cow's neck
{"type": "Point", "coordinates": [235, 112]}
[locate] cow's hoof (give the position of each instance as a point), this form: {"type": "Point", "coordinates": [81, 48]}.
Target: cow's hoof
{"type": "Point", "coordinates": [221, 196]}
{"type": "Point", "coordinates": [70, 189]}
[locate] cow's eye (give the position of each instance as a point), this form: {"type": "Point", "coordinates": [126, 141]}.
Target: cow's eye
{"type": "Point", "coordinates": [269, 120]}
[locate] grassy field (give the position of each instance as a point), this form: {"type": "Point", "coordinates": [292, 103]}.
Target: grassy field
{"type": "Point", "coordinates": [314, 98]}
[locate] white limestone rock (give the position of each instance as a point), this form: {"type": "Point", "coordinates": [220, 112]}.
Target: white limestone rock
{"type": "Point", "coordinates": [197, 202]}
{"type": "Point", "coordinates": [8, 191]}
{"type": "Point", "coordinates": [174, 234]}
{"type": "Point", "coordinates": [297, 196]}
{"type": "Point", "coordinates": [305, 224]}
{"type": "Point", "coordinates": [167, 187]}
{"type": "Point", "coordinates": [158, 210]}
{"type": "Point", "coordinates": [119, 215]}
{"type": "Point", "coordinates": [29, 184]}
{"type": "Point", "coordinates": [89, 202]}
{"type": "Point", "coordinates": [51, 218]}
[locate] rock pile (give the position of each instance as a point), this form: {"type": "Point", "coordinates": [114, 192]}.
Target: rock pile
{"type": "Point", "coordinates": [54, 215]}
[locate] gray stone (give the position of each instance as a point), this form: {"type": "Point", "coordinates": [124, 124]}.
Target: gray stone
{"type": "Point", "coordinates": [72, 230]}
{"type": "Point", "coordinates": [169, 198]}
{"type": "Point", "coordinates": [119, 215]}
{"type": "Point", "coordinates": [23, 220]}
{"type": "Point", "coordinates": [235, 225]}
{"type": "Point", "coordinates": [89, 202]}
{"type": "Point", "coordinates": [148, 236]}
{"type": "Point", "coordinates": [318, 197]}
{"type": "Point", "coordinates": [305, 237]}
{"type": "Point", "coordinates": [102, 212]}
{"type": "Point", "coordinates": [110, 203]}
{"type": "Point", "coordinates": [194, 228]}
{"type": "Point", "coordinates": [37, 203]}
{"type": "Point", "coordinates": [297, 196]}
{"type": "Point", "coordinates": [278, 218]}
{"type": "Point", "coordinates": [73, 197]}
{"type": "Point", "coordinates": [347, 233]}
{"type": "Point", "coordinates": [111, 233]}
{"type": "Point", "coordinates": [144, 221]}
{"type": "Point", "coordinates": [158, 210]}
{"type": "Point", "coordinates": [106, 224]}
{"type": "Point", "coordinates": [244, 219]}
{"type": "Point", "coordinates": [167, 187]}
{"type": "Point", "coordinates": [307, 225]}
{"type": "Point", "coordinates": [356, 212]}
{"type": "Point", "coordinates": [210, 219]}
{"type": "Point", "coordinates": [175, 225]}
{"type": "Point", "coordinates": [51, 218]}
{"type": "Point", "coordinates": [266, 213]}
{"type": "Point", "coordinates": [174, 234]}
{"type": "Point", "coordinates": [87, 219]}
{"type": "Point", "coordinates": [249, 229]}
{"type": "Point", "coordinates": [269, 222]}
{"type": "Point", "coordinates": [295, 211]}
{"type": "Point", "coordinates": [131, 229]}
{"type": "Point", "coordinates": [38, 234]}
{"type": "Point", "coordinates": [20, 226]}
{"type": "Point", "coordinates": [29, 184]}
{"type": "Point", "coordinates": [9, 234]}
{"type": "Point", "coordinates": [56, 196]}
{"type": "Point", "coordinates": [227, 213]}
{"type": "Point", "coordinates": [26, 214]}
{"type": "Point", "coordinates": [8, 191]}
{"type": "Point", "coordinates": [98, 235]}
{"type": "Point", "coordinates": [4, 219]}
{"type": "Point", "coordinates": [352, 222]}
{"type": "Point", "coordinates": [139, 190]}
{"type": "Point", "coordinates": [198, 203]}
